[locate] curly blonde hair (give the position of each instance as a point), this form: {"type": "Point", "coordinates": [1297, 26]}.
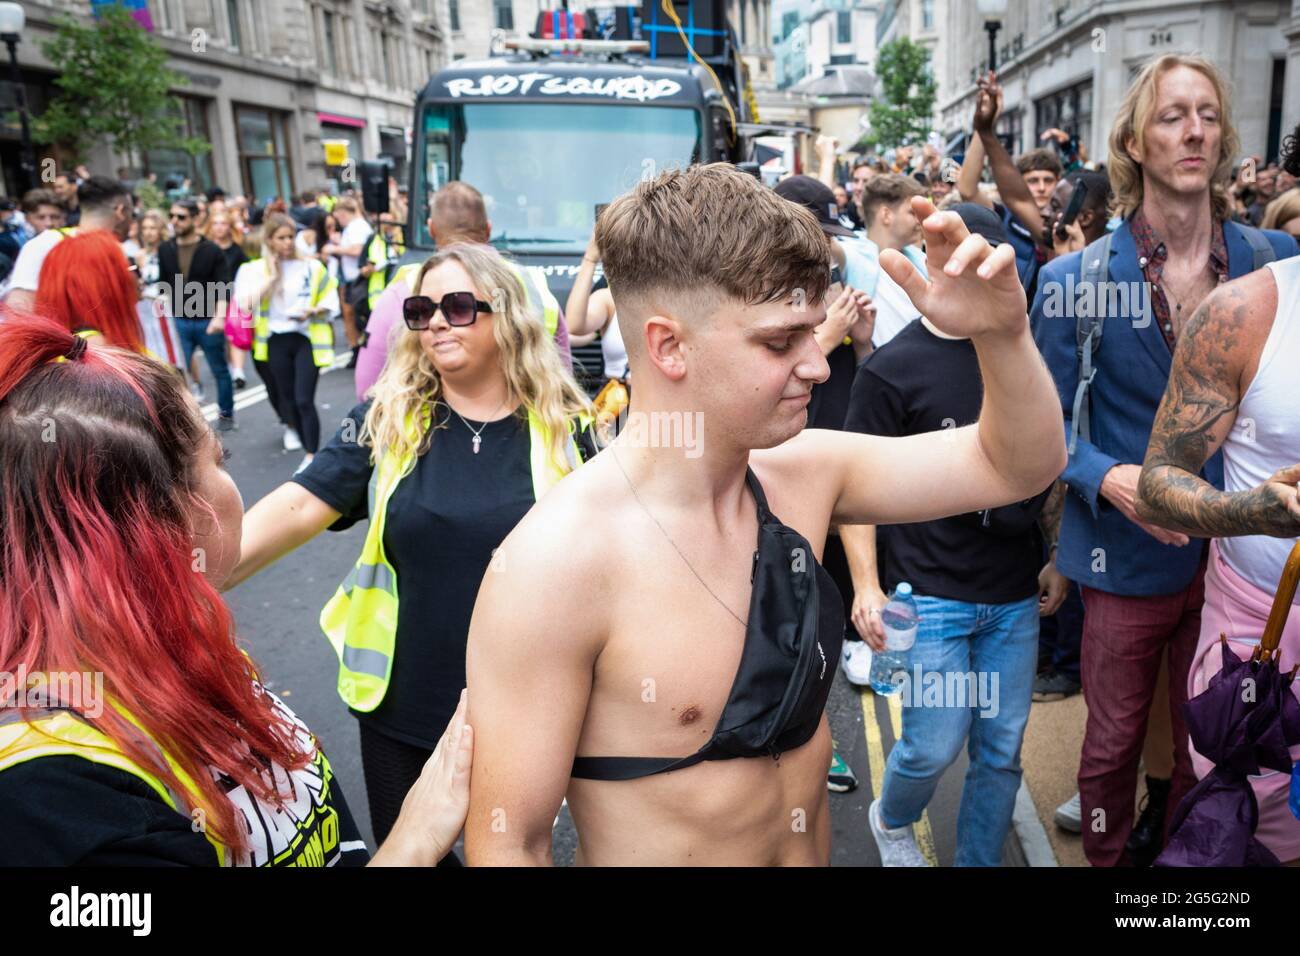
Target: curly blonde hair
{"type": "Point", "coordinates": [531, 364]}
{"type": "Point", "coordinates": [1130, 124]}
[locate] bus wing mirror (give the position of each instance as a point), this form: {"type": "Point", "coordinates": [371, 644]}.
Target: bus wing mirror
{"type": "Point", "coordinates": [374, 184]}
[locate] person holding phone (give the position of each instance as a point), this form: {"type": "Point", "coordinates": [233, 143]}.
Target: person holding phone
{"type": "Point", "coordinates": [293, 300]}
{"type": "Point", "coordinates": [1078, 210]}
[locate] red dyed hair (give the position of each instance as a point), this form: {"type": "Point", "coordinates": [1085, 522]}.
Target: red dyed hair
{"type": "Point", "coordinates": [96, 563]}
{"type": "Point", "coordinates": [86, 283]}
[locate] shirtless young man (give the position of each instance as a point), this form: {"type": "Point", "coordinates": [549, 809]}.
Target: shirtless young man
{"type": "Point", "coordinates": [711, 272]}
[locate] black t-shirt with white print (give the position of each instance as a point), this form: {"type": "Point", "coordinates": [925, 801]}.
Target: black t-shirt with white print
{"type": "Point", "coordinates": [68, 811]}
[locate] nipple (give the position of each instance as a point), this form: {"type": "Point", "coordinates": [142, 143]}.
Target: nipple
{"type": "Point", "coordinates": [690, 715]}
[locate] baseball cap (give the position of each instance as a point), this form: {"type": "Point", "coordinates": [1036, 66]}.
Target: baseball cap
{"type": "Point", "coordinates": [981, 221]}
{"type": "Point", "coordinates": [817, 198]}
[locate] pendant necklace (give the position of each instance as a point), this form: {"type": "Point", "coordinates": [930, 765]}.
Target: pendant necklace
{"type": "Point", "coordinates": [478, 440]}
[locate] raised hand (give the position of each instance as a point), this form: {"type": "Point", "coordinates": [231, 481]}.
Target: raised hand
{"type": "Point", "coordinates": [973, 289]}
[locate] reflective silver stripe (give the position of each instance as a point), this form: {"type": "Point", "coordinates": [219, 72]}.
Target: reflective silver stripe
{"type": "Point", "coordinates": [373, 488]}
{"type": "Point", "coordinates": [373, 576]}
{"type": "Point", "coordinates": [359, 660]}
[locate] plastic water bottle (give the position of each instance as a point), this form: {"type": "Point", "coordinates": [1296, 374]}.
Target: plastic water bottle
{"type": "Point", "coordinates": [899, 617]}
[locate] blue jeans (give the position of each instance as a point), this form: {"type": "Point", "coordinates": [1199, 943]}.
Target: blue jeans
{"type": "Point", "coordinates": [971, 674]}
{"type": "Point", "coordinates": [194, 335]}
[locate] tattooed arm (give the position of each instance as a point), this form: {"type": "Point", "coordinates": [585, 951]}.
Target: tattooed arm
{"type": "Point", "coordinates": [1217, 355]}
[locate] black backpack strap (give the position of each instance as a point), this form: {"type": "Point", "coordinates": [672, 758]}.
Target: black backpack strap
{"type": "Point", "coordinates": [629, 768]}
{"type": "Point", "coordinates": [1089, 324]}
{"type": "Point", "coordinates": [1261, 249]}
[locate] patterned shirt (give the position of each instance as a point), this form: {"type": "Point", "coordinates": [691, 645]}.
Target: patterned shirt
{"type": "Point", "coordinates": [1152, 256]}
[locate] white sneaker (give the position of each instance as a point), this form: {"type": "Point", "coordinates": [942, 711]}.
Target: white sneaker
{"type": "Point", "coordinates": [1069, 815]}
{"type": "Point", "coordinates": [855, 658]}
{"type": "Point", "coordinates": [897, 847]}
{"type": "Point", "coordinates": [196, 389]}
{"type": "Point", "coordinates": [291, 441]}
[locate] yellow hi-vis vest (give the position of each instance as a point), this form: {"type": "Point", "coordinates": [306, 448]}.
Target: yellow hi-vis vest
{"type": "Point", "coordinates": [381, 252]}
{"type": "Point", "coordinates": [539, 296]}
{"type": "Point", "coordinates": [48, 733]}
{"type": "Point", "coordinates": [361, 619]}
{"type": "Point", "coordinates": [320, 331]}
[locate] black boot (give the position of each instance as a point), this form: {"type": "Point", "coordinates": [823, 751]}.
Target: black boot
{"type": "Point", "coordinates": [1147, 839]}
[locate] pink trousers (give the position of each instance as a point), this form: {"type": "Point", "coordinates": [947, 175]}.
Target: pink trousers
{"type": "Point", "coordinates": [1235, 607]}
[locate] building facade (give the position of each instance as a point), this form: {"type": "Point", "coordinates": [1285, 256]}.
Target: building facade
{"type": "Point", "coordinates": [268, 85]}
{"type": "Point", "coordinates": [1069, 63]}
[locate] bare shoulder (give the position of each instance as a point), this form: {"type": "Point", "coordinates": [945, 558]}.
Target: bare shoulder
{"type": "Point", "coordinates": [806, 474]}
{"type": "Point", "coordinates": [553, 566]}
{"type": "Point", "coordinates": [1227, 332]}
{"type": "Point", "coordinates": [810, 456]}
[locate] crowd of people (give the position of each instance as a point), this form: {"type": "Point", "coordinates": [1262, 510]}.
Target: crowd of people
{"type": "Point", "coordinates": [885, 362]}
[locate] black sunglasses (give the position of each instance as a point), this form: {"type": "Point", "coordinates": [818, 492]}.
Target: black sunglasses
{"type": "Point", "coordinates": [458, 308]}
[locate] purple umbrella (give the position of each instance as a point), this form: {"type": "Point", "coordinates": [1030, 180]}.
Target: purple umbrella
{"type": "Point", "coordinates": [1246, 721]}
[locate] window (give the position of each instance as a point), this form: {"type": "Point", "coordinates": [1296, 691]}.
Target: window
{"type": "Point", "coordinates": [329, 42]}
{"type": "Point", "coordinates": [262, 137]}
{"type": "Point", "coordinates": [177, 164]}
{"type": "Point", "coordinates": [1069, 109]}
{"type": "Point", "coordinates": [232, 16]}
{"type": "Point", "coordinates": [453, 14]}
{"type": "Point", "coordinates": [549, 197]}
{"type": "Point", "coordinates": [927, 14]}
{"type": "Point", "coordinates": [505, 14]}
{"type": "Point", "coordinates": [789, 23]}
{"type": "Point", "coordinates": [382, 42]}
{"type": "Point", "coordinates": [844, 26]}
{"type": "Point", "coordinates": [161, 15]}
{"type": "Point", "coordinates": [1010, 130]}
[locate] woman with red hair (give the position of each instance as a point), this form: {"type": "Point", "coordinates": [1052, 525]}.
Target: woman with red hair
{"type": "Point", "coordinates": [87, 286]}
{"type": "Point", "coordinates": [133, 730]}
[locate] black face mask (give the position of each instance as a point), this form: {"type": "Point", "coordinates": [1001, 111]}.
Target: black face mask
{"type": "Point", "coordinates": [792, 645]}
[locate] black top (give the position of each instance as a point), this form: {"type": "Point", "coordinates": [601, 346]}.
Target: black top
{"type": "Point", "coordinates": [792, 640]}
{"type": "Point", "coordinates": [830, 399]}
{"type": "Point", "coordinates": [919, 382]}
{"type": "Point", "coordinates": [67, 811]}
{"type": "Point", "coordinates": [235, 257]}
{"type": "Point", "coordinates": [443, 522]}
{"type": "Point", "coordinates": [201, 287]}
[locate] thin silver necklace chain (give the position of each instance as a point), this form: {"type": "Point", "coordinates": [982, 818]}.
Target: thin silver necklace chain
{"type": "Point", "coordinates": [685, 560]}
{"type": "Point", "coordinates": [477, 440]}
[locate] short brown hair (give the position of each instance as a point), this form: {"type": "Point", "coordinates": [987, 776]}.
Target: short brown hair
{"type": "Point", "coordinates": [458, 210]}
{"type": "Point", "coordinates": [1131, 120]}
{"type": "Point", "coordinates": [688, 231]}
{"type": "Point", "coordinates": [1040, 160]}
{"type": "Point", "coordinates": [35, 198]}
{"type": "Point", "coordinates": [887, 189]}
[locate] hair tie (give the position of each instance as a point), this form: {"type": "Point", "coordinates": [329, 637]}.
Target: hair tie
{"type": "Point", "coordinates": [76, 349]}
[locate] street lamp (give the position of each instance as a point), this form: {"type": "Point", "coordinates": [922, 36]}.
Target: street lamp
{"type": "Point", "coordinates": [12, 20]}
{"type": "Point", "coordinates": [991, 10]}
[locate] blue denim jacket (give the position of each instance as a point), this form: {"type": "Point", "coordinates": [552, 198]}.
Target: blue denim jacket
{"type": "Point", "coordinates": [1099, 547]}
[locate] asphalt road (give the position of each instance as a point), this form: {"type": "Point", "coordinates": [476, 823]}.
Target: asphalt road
{"type": "Point", "coordinates": [277, 612]}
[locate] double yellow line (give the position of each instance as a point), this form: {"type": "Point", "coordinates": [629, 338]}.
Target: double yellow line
{"type": "Point", "coordinates": [876, 762]}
